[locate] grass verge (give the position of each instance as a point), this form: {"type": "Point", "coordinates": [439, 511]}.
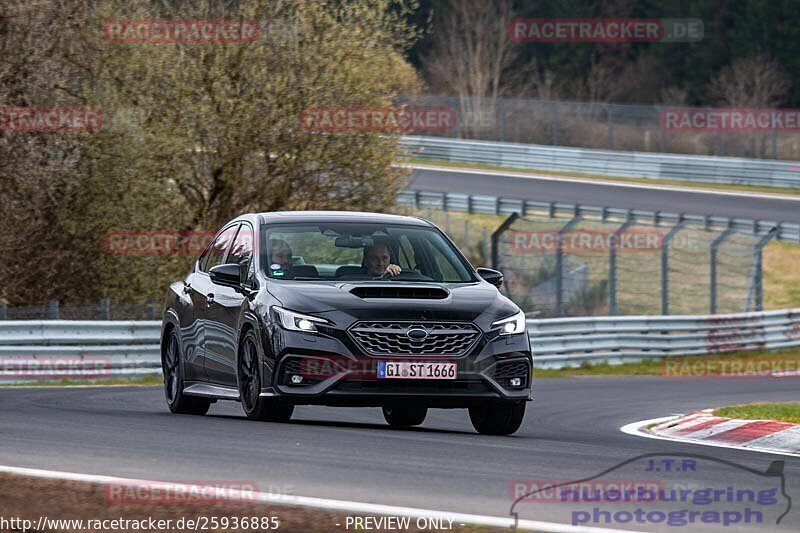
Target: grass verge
{"type": "Point", "coordinates": [785, 412]}
{"type": "Point", "coordinates": [603, 177]}
{"type": "Point", "coordinates": [143, 381]}
{"type": "Point", "coordinates": [30, 498]}
{"type": "Point", "coordinates": [788, 359]}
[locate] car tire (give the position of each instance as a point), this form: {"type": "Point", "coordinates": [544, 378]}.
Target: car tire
{"type": "Point", "coordinates": [172, 368]}
{"type": "Point", "coordinates": [497, 418]}
{"type": "Point", "coordinates": [403, 417]}
{"type": "Point", "coordinates": [256, 407]}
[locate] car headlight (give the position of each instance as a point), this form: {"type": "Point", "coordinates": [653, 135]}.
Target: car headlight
{"type": "Point", "coordinates": [511, 325]}
{"type": "Point", "coordinates": [296, 321]}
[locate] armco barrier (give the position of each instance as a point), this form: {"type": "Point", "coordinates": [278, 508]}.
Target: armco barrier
{"type": "Point", "coordinates": [133, 346]}
{"type": "Point", "coordinates": [473, 203]}
{"type": "Point", "coordinates": [125, 348]}
{"type": "Point", "coordinates": [558, 342]}
{"type": "Point", "coordinates": [703, 169]}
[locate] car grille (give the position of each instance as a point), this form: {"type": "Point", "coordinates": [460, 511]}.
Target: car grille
{"type": "Point", "coordinates": [390, 338]}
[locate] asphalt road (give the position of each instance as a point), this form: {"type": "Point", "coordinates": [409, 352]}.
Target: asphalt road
{"type": "Point", "coordinates": [743, 205]}
{"type": "Point", "coordinates": [571, 432]}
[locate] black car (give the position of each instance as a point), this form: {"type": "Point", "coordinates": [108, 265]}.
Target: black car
{"type": "Point", "coordinates": [345, 309]}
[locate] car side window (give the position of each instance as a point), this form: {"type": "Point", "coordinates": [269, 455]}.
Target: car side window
{"type": "Point", "coordinates": [215, 254]}
{"type": "Point", "coordinates": [242, 252]}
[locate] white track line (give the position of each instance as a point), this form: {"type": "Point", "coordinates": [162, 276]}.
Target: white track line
{"type": "Point", "coordinates": [636, 429]}
{"type": "Point", "coordinates": [321, 503]}
{"type": "Point", "coordinates": [588, 181]}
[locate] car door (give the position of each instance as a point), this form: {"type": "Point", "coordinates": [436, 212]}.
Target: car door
{"type": "Point", "coordinates": [191, 328]}
{"type": "Point", "coordinates": [202, 292]}
{"type": "Point", "coordinates": [225, 310]}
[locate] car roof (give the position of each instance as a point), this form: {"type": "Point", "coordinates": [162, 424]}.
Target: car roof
{"type": "Point", "coordinates": [279, 217]}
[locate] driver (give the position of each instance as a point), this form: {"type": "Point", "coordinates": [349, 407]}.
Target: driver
{"type": "Point", "coordinates": [377, 261]}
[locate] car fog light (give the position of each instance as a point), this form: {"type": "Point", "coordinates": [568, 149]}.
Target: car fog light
{"type": "Point", "coordinates": [296, 380]}
{"type": "Point", "coordinates": [515, 382]}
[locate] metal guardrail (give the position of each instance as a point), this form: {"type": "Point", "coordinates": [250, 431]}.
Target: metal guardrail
{"type": "Point", "coordinates": [473, 203]}
{"type": "Point", "coordinates": [130, 348]}
{"type": "Point", "coordinates": [31, 350]}
{"type": "Point", "coordinates": [704, 169]}
{"type": "Point", "coordinates": [558, 342]}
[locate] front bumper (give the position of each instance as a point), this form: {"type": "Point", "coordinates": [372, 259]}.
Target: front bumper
{"type": "Point", "coordinates": [330, 369]}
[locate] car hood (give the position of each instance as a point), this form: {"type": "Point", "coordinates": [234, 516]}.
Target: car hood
{"type": "Point", "coordinates": [461, 301]}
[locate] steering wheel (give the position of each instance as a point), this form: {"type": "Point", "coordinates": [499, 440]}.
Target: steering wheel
{"type": "Point", "coordinates": [406, 275]}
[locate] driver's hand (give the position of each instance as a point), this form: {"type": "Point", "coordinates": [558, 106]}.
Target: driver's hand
{"type": "Point", "coordinates": [393, 270]}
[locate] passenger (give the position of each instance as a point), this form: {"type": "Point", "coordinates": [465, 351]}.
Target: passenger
{"type": "Point", "coordinates": [280, 253]}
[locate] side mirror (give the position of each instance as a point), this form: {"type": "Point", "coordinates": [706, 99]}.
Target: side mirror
{"type": "Point", "coordinates": [229, 275]}
{"type": "Point", "coordinates": [492, 276]}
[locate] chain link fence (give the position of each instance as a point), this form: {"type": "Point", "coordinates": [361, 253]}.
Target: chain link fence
{"type": "Point", "coordinates": [602, 125]}
{"type": "Point", "coordinates": [580, 266]}
{"type": "Point", "coordinates": [102, 310]}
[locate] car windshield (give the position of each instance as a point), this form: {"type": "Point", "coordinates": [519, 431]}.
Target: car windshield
{"type": "Point", "coordinates": [361, 252]}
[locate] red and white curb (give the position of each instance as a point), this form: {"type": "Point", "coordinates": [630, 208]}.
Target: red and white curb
{"type": "Point", "coordinates": [704, 428]}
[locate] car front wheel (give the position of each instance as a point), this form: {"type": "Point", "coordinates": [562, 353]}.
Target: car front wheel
{"type": "Point", "coordinates": [497, 418]}
{"type": "Point", "coordinates": [254, 405]}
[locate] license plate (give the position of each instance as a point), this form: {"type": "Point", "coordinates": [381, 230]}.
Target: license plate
{"type": "Point", "coordinates": [415, 370]}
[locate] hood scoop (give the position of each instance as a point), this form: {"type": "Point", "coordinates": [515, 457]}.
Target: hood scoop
{"type": "Point", "coordinates": [400, 292]}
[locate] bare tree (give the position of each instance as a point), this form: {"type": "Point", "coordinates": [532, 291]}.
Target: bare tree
{"type": "Point", "coordinates": [753, 81]}
{"type": "Point", "coordinates": [471, 54]}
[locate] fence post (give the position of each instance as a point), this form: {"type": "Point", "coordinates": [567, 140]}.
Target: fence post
{"type": "Point", "coordinates": [3, 311]}
{"type": "Point", "coordinates": [560, 264]}
{"type": "Point", "coordinates": [774, 143]}
{"type": "Point", "coordinates": [151, 307]}
{"type": "Point", "coordinates": [554, 124]}
{"type": "Point", "coordinates": [105, 309]}
{"type": "Point", "coordinates": [665, 264]}
{"type": "Point", "coordinates": [713, 281]}
{"type": "Point", "coordinates": [757, 271]}
{"type": "Point", "coordinates": [52, 310]}
{"type": "Point", "coordinates": [612, 267]}
{"type": "Point", "coordinates": [501, 112]}
{"type": "Point", "coordinates": [496, 239]}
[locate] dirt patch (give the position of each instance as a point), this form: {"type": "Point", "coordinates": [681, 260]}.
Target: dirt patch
{"type": "Point", "coordinates": [28, 498]}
